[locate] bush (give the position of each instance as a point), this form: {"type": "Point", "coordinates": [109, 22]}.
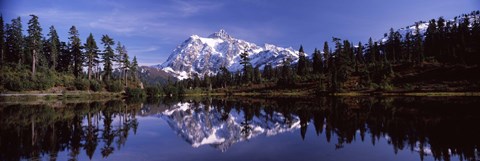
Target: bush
{"type": "Point", "coordinates": [45, 80]}
{"type": "Point", "coordinates": [15, 84]}
{"type": "Point", "coordinates": [153, 91]}
{"type": "Point", "coordinates": [135, 92]}
{"type": "Point", "coordinates": [95, 86]}
{"type": "Point", "coordinates": [82, 84]}
{"type": "Point", "coordinates": [68, 81]}
{"type": "Point", "coordinates": [114, 86]}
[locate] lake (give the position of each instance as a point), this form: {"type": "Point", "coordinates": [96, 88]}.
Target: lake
{"type": "Point", "coordinates": [243, 128]}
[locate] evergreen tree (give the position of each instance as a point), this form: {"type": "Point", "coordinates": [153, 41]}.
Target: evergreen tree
{"type": "Point", "coordinates": [108, 56]}
{"type": "Point", "coordinates": [76, 51]}
{"type": "Point", "coordinates": [431, 38]}
{"type": "Point", "coordinates": [317, 62]}
{"type": "Point", "coordinates": [64, 58]}
{"type": "Point", "coordinates": [123, 60]}
{"type": "Point", "coordinates": [326, 54]}
{"type": "Point", "coordinates": [245, 61]}
{"type": "Point", "coordinates": [14, 40]}
{"type": "Point", "coordinates": [408, 47]}
{"type": "Point", "coordinates": [134, 68]}
{"type": "Point", "coordinates": [420, 57]}
{"type": "Point", "coordinates": [35, 38]}
{"type": "Point", "coordinates": [286, 74]}
{"type": "Point", "coordinates": [371, 52]}
{"type": "Point", "coordinates": [54, 47]}
{"type": "Point", "coordinates": [207, 82]}
{"type": "Point", "coordinates": [268, 71]}
{"type": "Point", "coordinates": [225, 77]}
{"type": "Point", "coordinates": [257, 76]}
{"type": "Point", "coordinates": [359, 60]}
{"type": "Point", "coordinates": [91, 50]}
{"type": "Point", "coordinates": [2, 42]}
{"type": "Point", "coordinates": [302, 66]}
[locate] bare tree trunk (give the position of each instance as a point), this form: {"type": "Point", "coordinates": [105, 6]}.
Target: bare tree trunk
{"type": "Point", "coordinates": [34, 59]}
{"type": "Point", "coordinates": [125, 77]}
{"type": "Point", "coordinates": [90, 70]}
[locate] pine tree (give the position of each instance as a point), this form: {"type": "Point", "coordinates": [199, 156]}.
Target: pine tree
{"type": "Point", "coordinates": [268, 71]}
{"type": "Point", "coordinates": [408, 48]}
{"type": "Point", "coordinates": [371, 53]}
{"type": "Point", "coordinates": [317, 62]}
{"type": "Point", "coordinates": [54, 46]}
{"type": "Point", "coordinates": [2, 42]}
{"type": "Point", "coordinates": [207, 82]}
{"type": "Point", "coordinates": [64, 58]}
{"type": "Point", "coordinates": [123, 60]}
{"type": "Point", "coordinates": [286, 74]}
{"type": "Point", "coordinates": [108, 56]}
{"type": "Point", "coordinates": [302, 67]}
{"type": "Point", "coordinates": [225, 77]}
{"type": "Point", "coordinates": [35, 37]}
{"type": "Point", "coordinates": [420, 57]}
{"type": "Point", "coordinates": [430, 39]}
{"type": "Point", "coordinates": [76, 51]}
{"type": "Point", "coordinates": [326, 54]}
{"type": "Point", "coordinates": [245, 61]}
{"type": "Point", "coordinates": [257, 76]}
{"type": "Point", "coordinates": [359, 59]}
{"type": "Point", "coordinates": [91, 50]}
{"type": "Point", "coordinates": [14, 40]}
{"type": "Point", "coordinates": [134, 68]}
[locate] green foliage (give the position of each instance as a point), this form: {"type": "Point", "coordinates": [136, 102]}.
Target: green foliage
{"type": "Point", "coordinates": [15, 80]}
{"type": "Point", "coordinates": [108, 56]}
{"type": "Point", "coordinates": [45, 80]}
{"type": "Point", "coordinates": [153, 91]}
{"type": "Point", "coordinates": [82, 84]}
{"type": "Point", "coordinates": [114, 86]}
{"type": "Point", "coordinates": [135, 92]}
{"type": "Point", "coordinates": [95, 86]}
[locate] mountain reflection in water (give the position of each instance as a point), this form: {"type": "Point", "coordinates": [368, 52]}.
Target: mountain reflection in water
{"type": "Point", "coordinates": [441, 128]}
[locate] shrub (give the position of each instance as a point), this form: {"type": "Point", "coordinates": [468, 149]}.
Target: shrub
{"type": "Point", "coordinates": [45, 81]}
{"type": "Point", "coordinates": [82, 84]}
{"type": "Point", "coordinates": [135, 92]}
{"type": "Point", "coordinates": [114, 86]}
{"type": "Point", "coordinates": [68, 82]}
{"type": "Point", "coordinates": [153, 91]}
{"type": "Point", "coordinates": [95, 86]}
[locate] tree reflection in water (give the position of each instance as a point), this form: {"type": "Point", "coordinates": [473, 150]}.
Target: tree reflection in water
{"type": "Point", "coordinates": [438, 126]}
{"type": "Point", "coordinates": [36, 131]}
{"type": "Point", "coordinates": [442, 127]}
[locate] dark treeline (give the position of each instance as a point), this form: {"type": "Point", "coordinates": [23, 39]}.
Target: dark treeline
{"type": "Point", "coordinates": [32, 132]}
{"type": "Point", "coordinates": [37, 62]}
{"type": "Point", "coordinates": [349, 66]}
{"type": "Point", "coordinates": [410, 123]}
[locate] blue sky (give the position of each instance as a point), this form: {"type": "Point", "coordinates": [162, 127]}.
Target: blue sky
{"type": "Point", "coordinates": [151, 29]}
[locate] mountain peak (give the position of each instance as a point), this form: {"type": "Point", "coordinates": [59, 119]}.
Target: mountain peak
{"type": "Point", "coordinates": [199, 55]}
{"type": "Point", "coordinates": [220, 34]}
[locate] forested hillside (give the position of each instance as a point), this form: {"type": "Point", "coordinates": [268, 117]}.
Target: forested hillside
{"type": "Point", "coordinates": [44, 62]}
{"type": "Point", "coordinates": [438, 55]}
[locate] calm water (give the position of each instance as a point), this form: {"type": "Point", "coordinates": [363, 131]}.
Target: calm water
{"type": "Point", "coordinates": [341, 128]}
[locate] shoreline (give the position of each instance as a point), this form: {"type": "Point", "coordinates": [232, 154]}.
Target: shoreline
{"type": "Point", "coordinates": [90, 94]}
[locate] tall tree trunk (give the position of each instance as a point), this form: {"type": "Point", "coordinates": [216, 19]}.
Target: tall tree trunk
{"type": "Point", "coordinates": [125, 77]}
{"type": "Point", "coordinates": [34, 59]}
{"type": "Point", "coordinates": [89, 70]}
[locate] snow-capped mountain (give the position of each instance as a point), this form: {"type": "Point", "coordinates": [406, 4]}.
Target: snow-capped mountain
{"type": "Point", "coordinates": [207, 126]}
{"type": "Point", "coordinates": [205, 55]}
